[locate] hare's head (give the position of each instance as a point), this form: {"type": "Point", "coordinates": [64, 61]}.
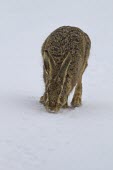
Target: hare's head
{"type": "Point", "coordinates": [56, 94]}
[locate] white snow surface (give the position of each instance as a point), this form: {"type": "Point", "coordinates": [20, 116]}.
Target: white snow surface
{"type": "Point", "coordinates": [73, 139]}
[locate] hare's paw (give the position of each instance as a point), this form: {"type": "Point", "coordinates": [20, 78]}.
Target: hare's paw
{"type": "Point", "coordinates": [76, 102]}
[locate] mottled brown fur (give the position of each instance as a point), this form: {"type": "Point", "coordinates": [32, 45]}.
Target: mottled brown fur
{"type": "Point", "coordinates": [65, 55]}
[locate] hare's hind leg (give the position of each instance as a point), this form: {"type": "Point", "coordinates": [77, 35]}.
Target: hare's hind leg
{"type": "Point", "coordinates": [77, 98]}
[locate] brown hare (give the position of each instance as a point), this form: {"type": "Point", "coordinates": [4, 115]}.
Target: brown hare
{"type": "Point", "coordinates": [65, 56]}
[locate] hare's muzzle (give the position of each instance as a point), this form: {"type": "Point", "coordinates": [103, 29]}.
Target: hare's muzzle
{"type": "Point", "coordinates": [55, 110]}
{"type": "Point", "coordinates": [51, 111]}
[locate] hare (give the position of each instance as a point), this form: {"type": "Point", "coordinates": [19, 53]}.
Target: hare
{"type": "Point", "coordinates": [65, 56]}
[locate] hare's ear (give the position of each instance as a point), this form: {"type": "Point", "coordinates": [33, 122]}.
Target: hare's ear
{"type": "Point", "coordinates": [64, 68]}
{"type": "Point", "coordinates": [49, 63]}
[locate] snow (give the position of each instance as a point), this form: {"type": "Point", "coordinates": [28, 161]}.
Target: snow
{"type": "Point", "coordinates": [30, 137]}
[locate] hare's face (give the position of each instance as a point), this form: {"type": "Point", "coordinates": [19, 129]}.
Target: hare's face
{"type": "Point", "coordinates": [55, 97]}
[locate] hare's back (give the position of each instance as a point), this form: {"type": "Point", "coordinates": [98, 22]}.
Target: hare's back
{"type": "Point", "coordinates": [63, 40]}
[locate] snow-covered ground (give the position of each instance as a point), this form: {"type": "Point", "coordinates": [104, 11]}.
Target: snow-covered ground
{"type": "Point", "coordinates": [73, 139]}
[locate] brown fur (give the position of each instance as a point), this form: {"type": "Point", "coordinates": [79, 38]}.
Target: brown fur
{"type": "Point", "coordinates": [65, 55]}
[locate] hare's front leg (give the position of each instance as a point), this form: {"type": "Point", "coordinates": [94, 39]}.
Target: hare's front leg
{"type": "Point", "coordinates": [45, 77]}
{"type": "Point", "coordinates": [76, 101]}
{"type": "Point", "coordinates": [77, 98]}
